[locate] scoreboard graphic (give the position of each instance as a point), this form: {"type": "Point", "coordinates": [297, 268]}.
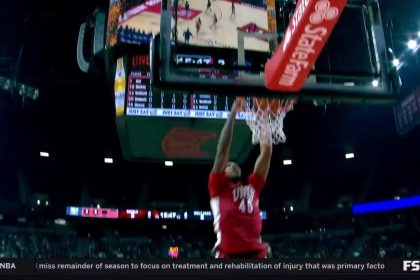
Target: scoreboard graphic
{"type": "Point", "coordinates": [141, 214]}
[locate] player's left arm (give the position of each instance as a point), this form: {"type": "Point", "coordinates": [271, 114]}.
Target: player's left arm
{"type": "Point", "coordinates": [262, 165]}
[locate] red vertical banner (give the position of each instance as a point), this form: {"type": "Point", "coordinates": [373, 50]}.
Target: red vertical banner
{"type": "Point", "coordinates": [309, 29]}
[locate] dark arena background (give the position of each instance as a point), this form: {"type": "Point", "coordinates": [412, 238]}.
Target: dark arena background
{"type": "Point", "coordinates": [99, 159]}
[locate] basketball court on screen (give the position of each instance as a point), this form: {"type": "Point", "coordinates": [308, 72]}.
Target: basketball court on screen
{"type": "Point", "coordinates": [225, 33]}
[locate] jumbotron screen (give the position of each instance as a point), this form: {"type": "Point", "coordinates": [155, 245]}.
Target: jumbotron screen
{"type": "Point", "coordinates": [217, 23]}
{"type": "Point", "coordinates": [195, 22]}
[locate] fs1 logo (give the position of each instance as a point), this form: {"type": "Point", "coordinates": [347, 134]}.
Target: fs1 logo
{"type": "Point", "coordinates": [411, 265]}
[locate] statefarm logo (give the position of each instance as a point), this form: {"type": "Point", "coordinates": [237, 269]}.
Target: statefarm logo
{"type": "Point", "coordinates": [309, 41]}
{"type": "Point", "coordinates": [323, 10]}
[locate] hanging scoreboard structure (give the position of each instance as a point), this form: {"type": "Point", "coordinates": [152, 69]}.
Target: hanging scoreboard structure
{"type": "Point", "coordinates": [175, 71]}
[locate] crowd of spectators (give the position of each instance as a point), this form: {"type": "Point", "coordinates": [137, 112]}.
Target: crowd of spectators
{"type": "Point", "coordinates": [319, 246]}
{"type": "Point", "coordinates": [40, 243]}
{"type": "Point", "coordinates": [35, 243]}
{"type": "Point", "coordinates": [386, 245]}
{"type": "Point", "coordinates": [130, 35]}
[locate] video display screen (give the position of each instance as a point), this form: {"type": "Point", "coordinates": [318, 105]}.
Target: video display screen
{"type": "Point", "coordinates": [132, 21]}
{"type": "Point", "coordinates": [208, 30]}
{"type": "Point", "coordinates": [194, 22]}
{"type": "Point", "coordinates": [142, 100]}
{"type": "Point", "coordinates": [217, 23]}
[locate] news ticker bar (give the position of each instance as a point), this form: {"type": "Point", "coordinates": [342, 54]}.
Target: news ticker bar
{"type": "Point", "coordinates": [211, 266]}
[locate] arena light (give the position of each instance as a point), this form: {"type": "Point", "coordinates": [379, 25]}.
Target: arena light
{"type": "Point", "coordinates": [28, 91]}
{"type": "Point", "coordinates": [418, 34]}
{"type": "Point", "coordinates": [291, 208]}
{"type": "Point", "coordinates": [109, 160]}
{"type": "Point", "coordinates": [386, 205]}
{"type": "Point", "coordinates": [44, 154]}
{"type": "Point", "coordinates": [169, 163]}
{"type": "Point", "coordinates": [396, 62]}
{"type": "Point", "coordinates": [375, 83]}
{"type": "Point", "coordinates": [1, 217]}
{"type": "Point", "coordinates": [98, 206]}
{"type": "Point", "coordinates": [38, 202]}
{"type": "Point", "coordinates": [349, 155]}
{"type": "Point", "coordinates": [412, 44]}
{"type": "Point", "coordinates": [60, 222]}
{"type": "Point", "coordinates": [164, 227]}
{"type": "Point", "coordinates": [46, 203]}
{"type": "Point", "coordinates": [287, 162]}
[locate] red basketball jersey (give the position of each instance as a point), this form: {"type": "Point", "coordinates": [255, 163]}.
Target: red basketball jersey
{"type": "Point", "coordinates": [237, 219]}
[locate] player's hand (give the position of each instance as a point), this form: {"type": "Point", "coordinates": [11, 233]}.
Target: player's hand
{"type": "Point", "coordinates": [239, 104]}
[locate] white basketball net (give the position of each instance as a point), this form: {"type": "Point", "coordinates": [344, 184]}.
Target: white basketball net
{"type": "Point", "coordinates": [268, 119]}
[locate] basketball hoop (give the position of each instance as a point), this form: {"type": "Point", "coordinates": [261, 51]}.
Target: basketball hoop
{"type": "Point", "coordinates": [267, 113]}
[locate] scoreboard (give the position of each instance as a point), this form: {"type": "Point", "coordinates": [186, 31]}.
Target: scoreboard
{"type": "Point", "coordinates": [159, 125]}
{"type": "Point", "coordinates": [141, 214]}
{"type": "Point", "coordinates": [141, 101]}
{"type": "Point", "coordinates": [144, 100]}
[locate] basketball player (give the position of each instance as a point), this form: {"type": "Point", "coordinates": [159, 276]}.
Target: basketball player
{"type": "Point", "coordinates": [198, 26]}
{"type": "Point", "coordinates": [174, 34]}
{"type": "Point", "coordinates": [233, 9]}
{"type": "Point", "coordinates": [214, 21]}
{"type": "Point", "coordinates": [124, 6]}
{"type": "Point", "coordinates": [237, 220]}
{"type": "Point", "coordinates": [187, 35]}
{"type": "Point", "coordinates": [175, 10]}
{"type": "Point", "coordinates": [187, 8]}
{"type": "Point", "coordinates": [208, 6]}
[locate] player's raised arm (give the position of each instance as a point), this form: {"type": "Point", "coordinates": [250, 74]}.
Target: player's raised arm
{"type": "Point", "coordinates": [225, 140]}
{"type": "Point", "coordinates": [262, 165]}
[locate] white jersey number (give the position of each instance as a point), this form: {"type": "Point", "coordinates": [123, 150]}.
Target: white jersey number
{"type": "Point", "coordinates": [246, 207]}
{"type": "Point", "coordinates": [244, 194]}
